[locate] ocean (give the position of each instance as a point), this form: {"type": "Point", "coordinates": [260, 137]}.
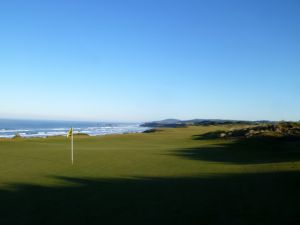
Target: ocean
{"type": "Point", "coordinates": [45, 128]}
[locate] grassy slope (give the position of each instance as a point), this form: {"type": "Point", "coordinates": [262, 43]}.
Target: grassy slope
{"type": "Point", "coordinates": [166, 177]}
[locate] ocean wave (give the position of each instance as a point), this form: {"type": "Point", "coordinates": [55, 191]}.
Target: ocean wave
{"type": "Point", "coordinates": [61, 131]}
{"type": "Point", "coordinates": [7, 135]}
{"type": "Point", "coordinates": [13, 131]}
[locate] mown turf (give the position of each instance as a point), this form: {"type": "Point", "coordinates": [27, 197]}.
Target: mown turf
{"type": "Point", "coordinates": [166, 177]}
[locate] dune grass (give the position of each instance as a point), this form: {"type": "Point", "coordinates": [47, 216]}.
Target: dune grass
{"type": "Point", "coordinates": [165, 177]}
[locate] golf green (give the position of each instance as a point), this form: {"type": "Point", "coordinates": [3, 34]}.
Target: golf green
{"type": "Point", "coordinates": [172, 176]}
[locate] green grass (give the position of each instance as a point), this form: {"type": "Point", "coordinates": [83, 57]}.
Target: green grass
{"type": "Point", "coordinates": [166, 177]}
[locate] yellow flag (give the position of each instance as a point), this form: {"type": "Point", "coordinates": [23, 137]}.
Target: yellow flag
{"type": "Point", "coordinates": [70, 133]}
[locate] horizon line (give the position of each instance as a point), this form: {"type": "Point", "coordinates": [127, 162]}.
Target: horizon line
{"type": "Point", "coordinates": [124, 121]}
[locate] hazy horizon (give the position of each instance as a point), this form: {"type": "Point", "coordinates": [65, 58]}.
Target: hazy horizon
{"type": "Point", "coordinates": [124, 121]}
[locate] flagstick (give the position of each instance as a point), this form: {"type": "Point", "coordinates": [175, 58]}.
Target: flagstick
{"type": "Point", "coordinates": [72, 152]}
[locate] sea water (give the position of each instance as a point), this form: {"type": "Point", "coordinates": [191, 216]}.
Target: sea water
{"type": "Point", "coordinates": [39, 128]}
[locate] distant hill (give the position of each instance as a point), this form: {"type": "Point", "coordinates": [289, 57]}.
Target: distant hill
{"type": "Point", "coordinates": [168, 121]}
{"type": "Point", "coordinates": [197, 122]}
{"type": "Point", "coordinates": [165, 123]}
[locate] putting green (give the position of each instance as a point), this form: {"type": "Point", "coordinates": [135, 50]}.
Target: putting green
{"type": "Point", "coordinates": [142, 170]}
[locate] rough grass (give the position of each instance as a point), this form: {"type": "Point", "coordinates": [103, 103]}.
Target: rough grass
{"type": "Point", "coordinates": [167, 177]}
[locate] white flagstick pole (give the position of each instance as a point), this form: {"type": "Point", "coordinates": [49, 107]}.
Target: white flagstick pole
{"type": "Point", "coordinates": [72, 150]}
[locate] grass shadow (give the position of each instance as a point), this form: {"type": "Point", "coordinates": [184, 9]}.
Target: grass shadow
{"type": "Point", "coordinates": [241, 150]}
{"type": "Point", "coordinates": [246, 151]}
{"type": "Point", "coordinates": [270, 198]}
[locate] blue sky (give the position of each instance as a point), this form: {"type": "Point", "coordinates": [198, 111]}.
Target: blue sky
{"type": "Point", "coordinates": [135, 60]}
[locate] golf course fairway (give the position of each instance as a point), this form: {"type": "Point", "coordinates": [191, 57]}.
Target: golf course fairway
{"type": "Point", "coordinates": [172, 176]}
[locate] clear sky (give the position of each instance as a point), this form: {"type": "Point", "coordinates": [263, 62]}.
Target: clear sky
{"type": "Point", "coordinates": [140, 60]}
